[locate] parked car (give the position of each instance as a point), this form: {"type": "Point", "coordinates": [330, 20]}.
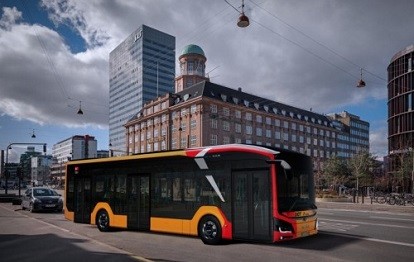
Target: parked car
{"type": "Point", "coordinates": [42, 199]}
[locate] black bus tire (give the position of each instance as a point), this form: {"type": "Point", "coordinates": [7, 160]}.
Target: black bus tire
{"type": "Point", "coordinates": [102, 221]}
{"type": "Point", "coordinates": [209, 230]}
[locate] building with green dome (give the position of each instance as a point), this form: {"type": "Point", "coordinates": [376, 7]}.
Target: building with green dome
{"type": "Point", "coordinates": [192, 67]}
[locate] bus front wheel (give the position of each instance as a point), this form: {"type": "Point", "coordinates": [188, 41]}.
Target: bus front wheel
{"type": "Point", "coordinates": [102, 221]}
{"type": "Point", "coordinates": [209, 230]}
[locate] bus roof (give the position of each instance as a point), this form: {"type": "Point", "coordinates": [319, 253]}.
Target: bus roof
{"type": "Point", "coordinates": [189, 152]}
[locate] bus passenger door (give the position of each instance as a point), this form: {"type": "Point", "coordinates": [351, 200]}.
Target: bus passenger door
{"type": "Point", "coordinates": [82, 200]}
{"type": "Point", "coordinates": [251, 205]}
{"type": "Point", "coordinates": [138, 202]}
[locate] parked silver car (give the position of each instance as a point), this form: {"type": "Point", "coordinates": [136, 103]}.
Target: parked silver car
{"type": "Point", "coordinates": [42, 199]}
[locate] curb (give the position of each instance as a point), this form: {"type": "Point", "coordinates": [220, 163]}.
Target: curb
{"type": "Point", "coordinates": [366, 207]}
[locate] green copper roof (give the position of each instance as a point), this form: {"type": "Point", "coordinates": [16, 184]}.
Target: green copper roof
{"type": "Point", "coordinates": [192, 49]}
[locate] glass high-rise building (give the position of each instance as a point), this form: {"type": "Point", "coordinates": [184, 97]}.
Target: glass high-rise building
{"type": "Point", "coordinates": [141, 68]}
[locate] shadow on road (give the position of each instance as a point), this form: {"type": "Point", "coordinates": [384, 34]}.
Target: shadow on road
{"type": "Point", "coordinates": [322, 241]}
{"type": "Point", "coordinates": [49, 247]}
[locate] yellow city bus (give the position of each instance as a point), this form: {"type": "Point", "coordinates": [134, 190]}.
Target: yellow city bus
{"type": "Point", "coordinates": [225, 192]}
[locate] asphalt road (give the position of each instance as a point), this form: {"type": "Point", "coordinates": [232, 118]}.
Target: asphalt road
{"type": "Point", "coordinates": [345, 235]}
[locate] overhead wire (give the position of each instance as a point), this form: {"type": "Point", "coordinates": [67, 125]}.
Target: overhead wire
{"type": "Point", "coordinates": [52, 66]}
{"type": "Point", "coordinates": [316, 41]}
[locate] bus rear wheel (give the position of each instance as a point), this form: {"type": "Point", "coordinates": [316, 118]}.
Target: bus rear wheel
{"type": "Point", "coordinates": [102, 221]}
{"type": "Point", "coordinates": [209, 230]}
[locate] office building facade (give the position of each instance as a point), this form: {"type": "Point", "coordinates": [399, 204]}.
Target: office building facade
{"type": "Point", "coordinates": [353, 137]}
{"type": "Point", "coordinates": [72, 148]}
{"type": "Point", "coordinates": [141, 68]}
{"type": "Point", "coordinates": [400, 106]}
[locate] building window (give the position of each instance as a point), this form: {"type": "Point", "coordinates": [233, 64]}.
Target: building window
{"type": "Point", "coordinates": [193, 109]}
{"type": "Point", "coordinates": [226, 140]}
{"type": "Point", "coordinates": [226, 126]}
{"type": "Point", "coordinates": [248, 141]}
{"type": "Point", "coordinates": [293, 138]}
{"type": "Point", "coordinates": [174, 143]}
{"type": "Point", "coordinates": [285, 124]}
{"type": "Point", "coordinates": [238, 114]}
{"type": "Point", "coordinates": [249, 116]}
{"type": "Point", "coordinates": [258, 131]}
{"type": "Point", "coordinates": [193, 124]}
{"type": "Point", "coordinates": [156, 146]}
{"type": "Point", "coordinates": [213, 140]}
{"type": "Point", "coordinates": [268, 121]}
{"type": "Point", "coordinates": [237, 140]}
{"type": "Point", "coordinates": [277, 135]}
{"type": "Point", "coordinates": [268, 133]}
{"type": "Point", "coordinates": [183, 142]}
{"type": "Point", "coordinates": [193, 140]}
{"type": "Point", "coordinates": [213, 123]}
{"type": "Point", "coordinates": [183, 126]}
{"type": "Point", "coordinates": [213, 108]}
{"type": "Point", "coordinates": [277, 122]}
{"type": "Point", "coordinates": [249, 130]}
{"type": "Point", "coordinates": [183, 111]}
{"type": "Point", "coordinates": [293, 126]}
{"type": "Point", "coordinates": [238, 128]}
{"type": "Point", "coordinates": [156, 132]}
{"type": "Point", "coordinates": [226, 111]}
{"type": "Point", "coordinates": [258, 118]}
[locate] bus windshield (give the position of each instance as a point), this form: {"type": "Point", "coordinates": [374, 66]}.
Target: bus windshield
{"type": "Point", "coordinates": [295, 183]}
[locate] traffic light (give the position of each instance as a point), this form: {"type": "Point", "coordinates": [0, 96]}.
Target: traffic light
{"type": "Point", "coordinates": [44, 148]}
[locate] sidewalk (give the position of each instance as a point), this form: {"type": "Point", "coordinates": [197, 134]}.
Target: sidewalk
{"type": "Point", "coordinates": [367, 206]}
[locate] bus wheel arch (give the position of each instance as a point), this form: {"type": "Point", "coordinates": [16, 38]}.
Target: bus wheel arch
{"type": "Point", "coordinates": [103, 221]}
{"type": "Point", "coordinates": [210, 230]}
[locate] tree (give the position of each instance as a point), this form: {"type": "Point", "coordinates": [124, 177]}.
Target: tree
{"type": "Point", "coordinates": [362, 165]}
{"type": "Point", "coordinates": [336, 171]}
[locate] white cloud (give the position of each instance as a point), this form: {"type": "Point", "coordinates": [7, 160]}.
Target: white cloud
{"type": "Point", "coordinates": [9, 17]}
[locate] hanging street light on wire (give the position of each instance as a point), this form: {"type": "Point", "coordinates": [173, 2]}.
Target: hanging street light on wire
{"type": "Point", "coordinates": [80, 112]}
{"type": "Point", "coordinates": [361, 83]}
{"type": "Point", "coordinates": [243, 19]}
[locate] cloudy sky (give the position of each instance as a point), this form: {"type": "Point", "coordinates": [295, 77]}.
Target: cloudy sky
{"type": "Point", "coordinates": [54, 53]}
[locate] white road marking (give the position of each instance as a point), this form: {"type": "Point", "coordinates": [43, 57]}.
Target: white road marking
{"type": "Point", "coordinates": [363, 223]}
